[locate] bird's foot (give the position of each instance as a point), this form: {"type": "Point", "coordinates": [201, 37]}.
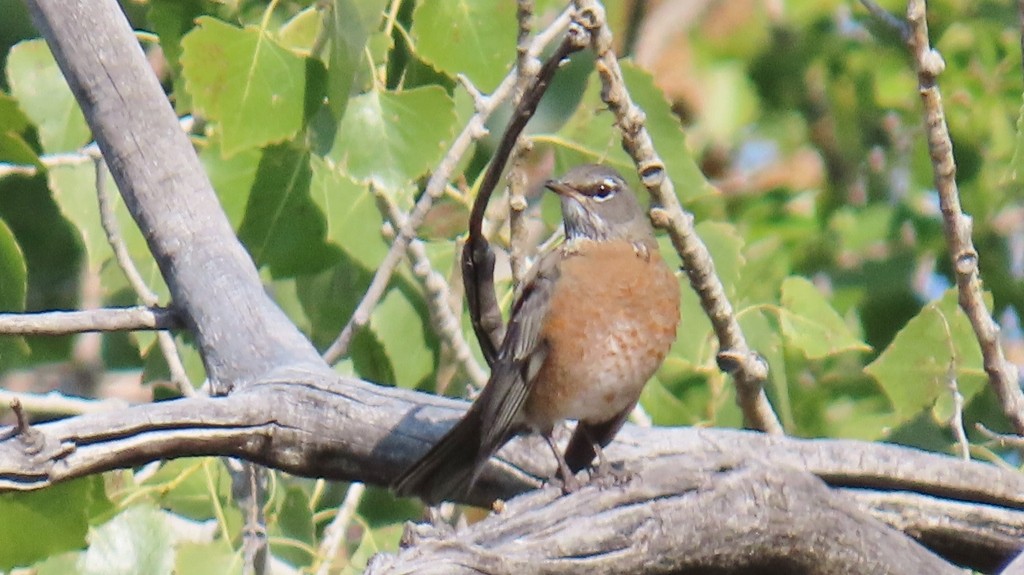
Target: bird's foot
{"type": "Point", "coordinates": [608, 474]}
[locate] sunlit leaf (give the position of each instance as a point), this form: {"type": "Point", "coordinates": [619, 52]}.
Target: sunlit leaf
{"type": "Point", "coordinates": [238, 75]}
{"type": "Point", "coordinates": [390, 138]}
{"type": "Point", "coordinates": [810, 324]}
{"type": "Point", "coordinates": [476, 38]}
{"type": "Point", "coordinates": [38, 85]}
{"type": "Point", "coordinates": [916, 368]}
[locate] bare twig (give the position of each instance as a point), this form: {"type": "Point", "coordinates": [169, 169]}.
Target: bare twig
{"type": "Point", "coordinates": [108, 219]}
{"type": "Point", "coordinates": [56, 403]}
{"type": "Point", "coordinates": [517, 204]}
{"type": "Point", "coordinates": [735, 356]}
{"type": "Point", "coordinates": [887, 18]}
{"type": "Point", "coordinates": [957, 226]}
{"type": "Point", "coordinates": [446, 322]}
{"type": "Point", "coordinates": [83, 156]}
{"type": "Point", "coordinates": [334, 534]}
{"type": "Point", "coordinates": [94, 320]}
{"type": "Point", "coordinates": [435, 188]}
{"type": "Point", "coordinates": [477, 256]}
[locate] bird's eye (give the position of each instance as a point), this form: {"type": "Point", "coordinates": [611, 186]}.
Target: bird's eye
{"type": "Point", "coordinates": [605, 189]}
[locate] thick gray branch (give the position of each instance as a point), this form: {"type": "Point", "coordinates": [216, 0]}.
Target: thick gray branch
{"type": "Point", "coordinates": [241, 332]}
{"type": "Point", "coordinates": [325, 426]}
{"type": "Point", "coordinates": [746, 516]}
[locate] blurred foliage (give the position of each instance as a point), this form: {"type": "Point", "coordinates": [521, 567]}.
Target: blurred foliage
{"type": "Point", "coordinates": [794, 136]}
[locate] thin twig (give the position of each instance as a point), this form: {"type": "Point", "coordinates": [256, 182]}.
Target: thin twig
{"type": "Point", "coordinates": [108, 219]}
{"type": "Point", "coordinates": [446, 322]}
{"type": "Point", "coordinates": [957, 226]}
{"type": "Point", "coordinates": [63, 159]}
{"type": "Point", "coordinates": [749, 370]}
{"type": "Point", "coordinates": [956, 422]}
{"type": "Point", "coordinates": [55, 403]}
{"type": "Point", "coordinates": [473, 131]}
{"type": "Point", "coordinates": [334, 534]}
{"type": "Point", "coordinates": [94, 320]}
{"type": "Point", "coordinates": [889, 19]}
{"type": "Point", "coordinates": [517, 204]}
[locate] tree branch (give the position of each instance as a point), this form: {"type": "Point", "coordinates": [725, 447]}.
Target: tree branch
{"type": "Point", "coordinates": [242, 334]}
{"type": "Point", "coordinates": [750, 517]}
{"type": "Point", "coordinates": [322, 425]}
{"type": "Point", "coordinates": [109, 319]}
{"type": "Point", "coordinates": [1002, 374]}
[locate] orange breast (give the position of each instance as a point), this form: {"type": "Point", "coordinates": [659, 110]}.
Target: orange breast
{"type": "Point", "coordinates": [612, 320]}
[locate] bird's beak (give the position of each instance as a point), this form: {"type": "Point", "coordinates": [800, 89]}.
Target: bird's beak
{"type": "Point", "coordinates": [563, 190]}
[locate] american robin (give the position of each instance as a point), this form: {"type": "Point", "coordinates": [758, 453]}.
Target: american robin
{"type": "Point", "coordinates": [591, 322]}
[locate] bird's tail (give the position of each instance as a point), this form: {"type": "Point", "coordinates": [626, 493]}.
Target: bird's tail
{"type": "Point", "coordinates": [450, 467]}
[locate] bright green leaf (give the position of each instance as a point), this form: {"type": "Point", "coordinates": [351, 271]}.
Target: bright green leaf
{"type": "Point", "coordinates": [137, 541]}
{"type": "Point", "coordinates": [810, 324]}
{"type": "Point", "coordinates": [207, 559]}
{"type": "Point", "coordinates": [38, 85]}
{"type": "Point", "coordinates": [935, 345]}
{"type": "Point", "coordinates": [391, 138]}
{"type": "Point", "coordinates": [399, 327]}
{"type": "Point", "coordinates": [243, 79]}
{"type": "Point", "coordinates": [353, 219]}
{"type": "Point", "coordinates": [13, 147]}
{"type": "Point", "coordinates": [13, 274]}
{"type": "Point", "coordinates": [472, 37]}
{"type": "Point", "coordinates": [37, 524]}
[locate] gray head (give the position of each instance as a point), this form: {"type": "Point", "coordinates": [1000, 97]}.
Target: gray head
{"type": "Point", "coordinates": [597, 204]}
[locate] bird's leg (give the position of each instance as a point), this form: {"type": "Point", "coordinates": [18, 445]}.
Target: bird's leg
{"type": "Point", "coordinates": [569, 482]}
{"type": "Point", "coordinates": [604, 473]}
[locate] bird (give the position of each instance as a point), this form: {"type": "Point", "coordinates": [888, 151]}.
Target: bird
{"type": "Point", "coordinates": [591, 322]}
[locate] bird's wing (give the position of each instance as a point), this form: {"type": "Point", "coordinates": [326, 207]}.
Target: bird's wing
{"type": "Point", "coordinates": [521, 355]}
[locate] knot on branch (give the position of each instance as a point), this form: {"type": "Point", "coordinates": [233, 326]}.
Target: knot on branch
{"type": "Point", "coordinates": [966, 262]}
{"type": "Point", "coordinates": [748, 361]}
{"type": "Point", "coordinates": [932, 63]}
{"type": "Point", "coordinates": [652, 173]}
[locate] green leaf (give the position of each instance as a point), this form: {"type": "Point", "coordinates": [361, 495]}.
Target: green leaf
{"type": "Point", "coordinates": [373, 542]}
{"type": "Point", "coordinates": [139, 541]}
{"type": "Point", "coordinates": [294, 522]}
{"type": "Point", "coordinates": [399, 327]}
{"type": "Point", "coordinates": [243, 79]}
{"type": "Point", "coordinates": [13, 147]}
{"type": "Point", "coordinates": [353, 220]}
{"type": "Point", "coordinates": [590, 135]}
{"type": "Point", "coordinates": [472, 37]}
{"type": "Point", "coordinates": [914, 369]}
{"type": "Point", "coordinates": [13, 274]}
{"type": "Point", "coordinates": [667, 134]}
{"type": "Point", "coordinates": [390, 138]}
{"type": "Point", "coordinates": [283, 228]}
{"type": "Point", "coordinates": [183, 486]}
{"type": "Point", "coordinates": [214, 558]}
{"type": "Point", "coordinates": [351, 23]}
{"type": "Point", "coordinates": [38, 524]}
{"type": "Point", "coordinates": [74, 190]}
{"type": "Point", "coordinates": [810, 324]}
{"type": "Point", "coordinates": [726, 247]}
{"type": "Point", "coordinates": [764, 338]}
{"type": "Point", "coordinates": [38, 85]}
{"type": "Point", "coordinates": [232, 178]}
{"type": "Point", "coordinates": [300, 31]}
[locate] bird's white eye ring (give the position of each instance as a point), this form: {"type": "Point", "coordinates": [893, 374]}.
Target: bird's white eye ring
{"type": "Point", "coordinates": [605, 190]}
